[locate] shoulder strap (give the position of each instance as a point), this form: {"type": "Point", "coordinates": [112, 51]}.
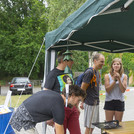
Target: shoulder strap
{"type": "Point", "coordinates": [92, 71]}
{"type": "Point", "coordinates": [93, 78]}
{"type": "Point", "coordinates": [91, 68]}
{"type": "Point", "coordinates": [110, 77]}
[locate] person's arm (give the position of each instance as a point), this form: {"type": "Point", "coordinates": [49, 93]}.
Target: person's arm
{"type": "Point", "coordinates": [59, 129]}
{"type": "Point", "coordinates": [123, 84]}
{"type": "Point", "coordinates": [109, 87]}
{"type": "Point", "coordinates": [84, 86]}
{"type": "Point", "coordinates": [58, 115]}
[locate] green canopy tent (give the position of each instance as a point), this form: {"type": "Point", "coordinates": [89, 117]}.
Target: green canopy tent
{"type": "Point", "coordinates": [98, 25]}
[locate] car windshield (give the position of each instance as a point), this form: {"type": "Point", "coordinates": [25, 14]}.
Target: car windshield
{"type": "Point", "coordinates": [20, 80]}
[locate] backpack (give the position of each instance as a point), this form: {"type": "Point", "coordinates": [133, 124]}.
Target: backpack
{"type": "Point", "coordinates": [80, 77]}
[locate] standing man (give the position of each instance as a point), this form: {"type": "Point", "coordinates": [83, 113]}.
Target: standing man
{"type": "Point", "coordinates": [90, 84]}
{"type": "Point", "coordinates": [44, 105]}
{"type": "Point", "coordinates": [55, 81]}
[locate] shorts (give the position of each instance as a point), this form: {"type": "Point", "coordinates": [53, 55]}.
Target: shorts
{"type": "Point", "coordinates": [114, 105]}
{"type": "Point", "coordinates": [90, 113]}
{"type": "Point", "coordinates": [22, 119]}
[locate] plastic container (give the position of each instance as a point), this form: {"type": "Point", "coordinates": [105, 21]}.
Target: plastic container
{"type": "Point", "coordinates": [4, 119]}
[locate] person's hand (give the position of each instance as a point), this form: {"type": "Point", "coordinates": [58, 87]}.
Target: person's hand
{"type": "Point", "coordinates": [82, 105]}
{"type": "Point", "coordinates": [50, 122]}
{"type": "Point", "coordinates": [115, 79]}
{"type": "Point", "coordinates": [116, 76]}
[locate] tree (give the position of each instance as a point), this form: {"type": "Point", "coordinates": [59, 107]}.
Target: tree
{"type": "Point", "coordinates": [59, 10]}
{"type": "Point", "coordinates": [128, 64]}
{"type": "Point", "coordinates": [22, 28]}
{"type": "Point", "coordinates": [80, 61]}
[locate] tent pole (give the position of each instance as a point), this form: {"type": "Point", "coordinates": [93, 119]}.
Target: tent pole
{"type": "Point", "coordinates": [46, 70]}
{"type": "Point", "coordinates": [53, 59]}
{"type": "Point", "coordinates": [50, 60]}
{"type": "Point", "coordinates": [47, 65]}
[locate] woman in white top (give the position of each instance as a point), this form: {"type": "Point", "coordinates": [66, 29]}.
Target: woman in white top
{"type": "Point", "coordinates": [115, 85]}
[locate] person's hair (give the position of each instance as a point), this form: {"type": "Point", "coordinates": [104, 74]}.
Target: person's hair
{"type": "Point", "coordinates": [121, 71]}
{"type": "Point", "coordinates": [60, 56]}
{"type": "Point", "coordinates": [97, 56]}
{"type": "Point", "coordinates": [76, 90]}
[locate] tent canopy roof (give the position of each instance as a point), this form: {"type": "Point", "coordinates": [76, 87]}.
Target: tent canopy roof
{"type": "Point", "coordinates": [102, 25]}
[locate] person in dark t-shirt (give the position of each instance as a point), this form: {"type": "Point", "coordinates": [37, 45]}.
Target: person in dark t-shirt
{"type": "Point", "coordinates": [42, 106]}
{"type": "Point", "coordinates": [56, 80]}
{"type": "Point", "coordinates": [90, 84]}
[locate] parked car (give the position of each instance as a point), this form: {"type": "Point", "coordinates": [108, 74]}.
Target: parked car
{"type": "Point", "coordinates": [19, 84]}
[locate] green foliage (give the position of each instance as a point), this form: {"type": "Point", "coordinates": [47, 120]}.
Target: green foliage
{"type": "Point", "coordinates": [23, 24]}
{"type": "Point", "coordinates": [59, 10]}
{"type": "Point", "coordinates": [22, 29]}
{"type": "Point", "coordinates": [128, 62]}
{"type": "Point", "coordinates": [80, 61]}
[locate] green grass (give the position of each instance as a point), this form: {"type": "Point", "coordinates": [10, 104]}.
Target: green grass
{"type": "Point", "coordinates": [14, 100]}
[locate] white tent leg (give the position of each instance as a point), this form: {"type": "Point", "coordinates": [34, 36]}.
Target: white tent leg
{"type": "Point", "coordinates": [50, 60]}
{"type": "Point", "coordinates": [47, 65]}
{"type": "Point", "coordinates": [53, 59]}
{"type": "Point", "coordinates": [46, 70]}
